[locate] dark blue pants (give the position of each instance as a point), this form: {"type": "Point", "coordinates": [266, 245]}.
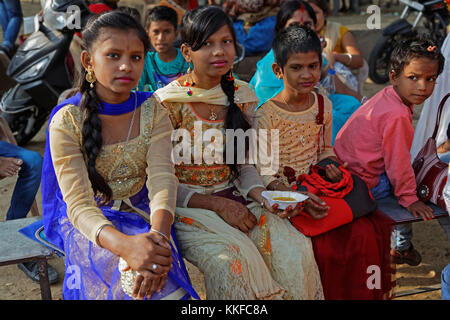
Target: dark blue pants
{"type": "Point", "coordinates": [28, 182]}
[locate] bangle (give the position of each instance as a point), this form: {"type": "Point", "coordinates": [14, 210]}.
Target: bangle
{"type": "Point", "coordinates": [161, 234]}
{"type": "Point", "coordinates": [364, 99]}
{"type": "Point", "coordinates": [97, 234]}
{"type": "Point", "coordinates": [349, 58]}
{"type": "Point", "coordinates": [276, 185]}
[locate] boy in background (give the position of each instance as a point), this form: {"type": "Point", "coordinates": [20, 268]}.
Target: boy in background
{"type": "Point", "coordinates": [166, 63]}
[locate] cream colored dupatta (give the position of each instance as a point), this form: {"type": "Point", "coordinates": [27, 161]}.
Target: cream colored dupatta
{"type": "Point", "coordinates": [175, 92]}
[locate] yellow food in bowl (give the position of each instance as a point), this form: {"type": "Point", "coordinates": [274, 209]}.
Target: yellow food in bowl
{"type": "Point", "coordinates": [284, 199]}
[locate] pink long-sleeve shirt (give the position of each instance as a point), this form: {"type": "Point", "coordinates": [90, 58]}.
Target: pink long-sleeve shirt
{"type": "Point", "coordinates": [377, 138]}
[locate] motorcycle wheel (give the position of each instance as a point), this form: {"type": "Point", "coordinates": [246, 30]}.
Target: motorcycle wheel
{"type": "Point", "coordinates": [18, 123]}
{"type": "Point", "coordinates": [379, 59]}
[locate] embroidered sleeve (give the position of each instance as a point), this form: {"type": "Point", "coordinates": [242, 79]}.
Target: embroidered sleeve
{"type": "Point", "coordinates": [71, 173]}
{"type": "Point", "coordinates": [162, 183]}
{"type": "Point", "coordinates": [267, 158]}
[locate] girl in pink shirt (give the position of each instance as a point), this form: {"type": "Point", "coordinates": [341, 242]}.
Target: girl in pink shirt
{"type": "Point", "coordinates": [376, 140]}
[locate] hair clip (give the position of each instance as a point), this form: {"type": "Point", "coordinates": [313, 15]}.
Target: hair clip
{"type": "Point", "coordinates": [431, 48]}
{"type": "Point", "coordinates": [230, 77]}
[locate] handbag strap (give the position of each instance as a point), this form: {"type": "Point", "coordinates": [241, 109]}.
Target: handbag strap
{"type": "Point", "coordinates": [319, 117]}
{"type": "Point", "coordinates": [439, 113]}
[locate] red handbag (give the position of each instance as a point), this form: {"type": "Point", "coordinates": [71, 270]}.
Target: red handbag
{"type": "Point", "coordinates": [430, 171]}
{"type": "Point", "coordinates": [347, 200]}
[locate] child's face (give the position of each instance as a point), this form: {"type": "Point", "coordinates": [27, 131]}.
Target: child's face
{"type": "Point", "coordinates": [301, 72]}
{"type": "Point", "coordinates": [301, 17]}
{"type": "Point", "coordinates": [117, 59]}
{"type": "Point", "coordinates": [162, 34]}
{"type": "Point", "coordinates": [215, 58]}
{"type": "Point", "coordinates": [416, 81]}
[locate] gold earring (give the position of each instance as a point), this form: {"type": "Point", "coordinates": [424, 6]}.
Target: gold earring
{"type": "Point", "coordinates": [90, 76]}
{"type": "Point", "coordinates": [189, 70]}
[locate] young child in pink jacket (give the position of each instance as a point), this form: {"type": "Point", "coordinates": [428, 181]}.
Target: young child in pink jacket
{"type": "Point", "coordinates": [376, 140]}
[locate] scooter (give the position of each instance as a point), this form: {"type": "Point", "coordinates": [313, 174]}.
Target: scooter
{"type": "Point", "coordinates": [42, 68]}
{"type": "Point", "coordinates": [435, 16]}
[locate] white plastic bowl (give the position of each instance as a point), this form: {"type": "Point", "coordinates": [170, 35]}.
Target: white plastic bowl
{"type": "Point", "coordinates": [270, 195]}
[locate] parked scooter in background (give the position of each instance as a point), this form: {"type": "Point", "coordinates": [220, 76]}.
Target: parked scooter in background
{"type": "Point", "coordinates": [42, 68]}
{"type": "Point", "coordinates": [435, 17]}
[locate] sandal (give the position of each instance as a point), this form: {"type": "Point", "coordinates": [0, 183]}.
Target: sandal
{"type": "Point", "coordinates": [31, 270]}
{"type": "Point", "coordinates": [409, 256]}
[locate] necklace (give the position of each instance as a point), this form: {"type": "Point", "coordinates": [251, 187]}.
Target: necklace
{"type": "Point", "coordinates": [284, 100]}
{"type": "Point", "coordinates": [212, 115]}
{"type": "Point", "coordinates": [123, 169]}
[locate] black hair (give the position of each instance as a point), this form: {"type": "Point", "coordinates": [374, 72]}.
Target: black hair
{"type": "Point", "coordinates": [196, 27]}
{"type": "Point", "coordinates": [415, 47]}
{"type": "Point", "coordinates": [90, 103]}
{"type": "Point", "coordinates": [287, 11]}
{"type": "Point", "coordinates": [132, 12]}
{"type": "Point", "coordinates": [161, 13]}
{"type": "Point", "coordinates": [448, 131]}
{"type": "Point", "coordinates": [295, 39]}
{"type": "Point", "coordinates": [322, 4]}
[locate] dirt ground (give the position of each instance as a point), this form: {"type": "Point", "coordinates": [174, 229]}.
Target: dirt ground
{"type": "Point", "coordinates": [429, 238]}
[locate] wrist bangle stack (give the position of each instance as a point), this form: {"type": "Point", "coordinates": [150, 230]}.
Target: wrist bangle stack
{"type": "Point", "coordinates": [161, 234]}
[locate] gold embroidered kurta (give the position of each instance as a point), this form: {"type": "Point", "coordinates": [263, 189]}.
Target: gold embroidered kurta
{"type": "Point", "coordinates": [184, 117]}
{"type": "Point", "coordinates": [302, 142]}
{"type": "Point", "coordinates": [147, 156]}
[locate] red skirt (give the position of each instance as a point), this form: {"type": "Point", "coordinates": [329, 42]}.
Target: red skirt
{"type": "Point", "coordinates": [354, 260]}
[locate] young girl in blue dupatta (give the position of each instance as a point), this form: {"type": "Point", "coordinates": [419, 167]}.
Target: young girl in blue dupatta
{"type": "Point", "coordinates": [108, 183]}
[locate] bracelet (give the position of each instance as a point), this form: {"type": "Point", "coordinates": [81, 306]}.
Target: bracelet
{"type": "Point", "coordinates": [98, 233]}
{"type": "Point", "coordinates": [364, 99]}
{"type": "Point", "coordinates": [349, 57]}
{"type": "Point", "coordinates": [276, 185]}
{"type": "Point", "coordinates": [161, 234]}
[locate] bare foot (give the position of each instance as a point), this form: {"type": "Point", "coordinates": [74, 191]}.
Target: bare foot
{"type": "Point", "coordinates": [9, 166]}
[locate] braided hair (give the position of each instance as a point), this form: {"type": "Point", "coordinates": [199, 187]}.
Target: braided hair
{"type": "Point", "coordinates": [196, 27]}
{"type": "Point", "coordinates": [90, 103]}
